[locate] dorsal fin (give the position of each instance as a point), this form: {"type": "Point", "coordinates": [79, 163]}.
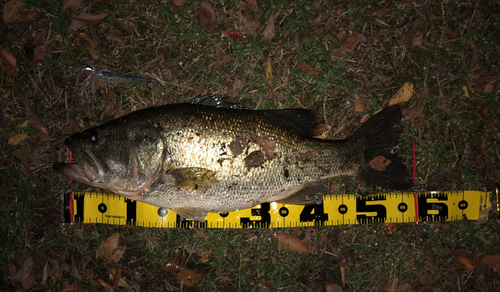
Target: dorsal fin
{"type": "Point", "coordinates": [218, 101]}
{"type": "Point", "coordinates": [301, 120]}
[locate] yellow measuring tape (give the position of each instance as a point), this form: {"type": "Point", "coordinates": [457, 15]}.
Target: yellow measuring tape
{"type": "Point", "coordinates": [334, 210]}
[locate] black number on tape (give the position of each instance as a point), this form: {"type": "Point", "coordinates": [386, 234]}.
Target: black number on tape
{"type": "Point", "coordinates": [363, 207]}
{"type": "Point", "coordinates": [263, 212]}
{"type": "Point", "coordinates": [432, 211]}
{"type": "Point", "coordinates": [314, 213]}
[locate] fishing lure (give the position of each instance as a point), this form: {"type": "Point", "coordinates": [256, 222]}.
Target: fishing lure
{"type": "Point", "coordinates": [112, 77]}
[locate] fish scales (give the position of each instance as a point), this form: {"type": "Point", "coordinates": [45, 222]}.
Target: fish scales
{"type": "Point", "coordinates": [203, 138]}
{"type": "Point", "coordinates": [212, 156]}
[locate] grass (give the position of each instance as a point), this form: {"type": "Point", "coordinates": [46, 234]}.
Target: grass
{"type": "Point", "coordinates": [457, 138]}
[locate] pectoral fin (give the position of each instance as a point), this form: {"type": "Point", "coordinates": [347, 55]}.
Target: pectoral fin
{"type": "Point", "coordinates": [193, 178]}
{"type": "Point", "coordinates": [191, 213]}
{"type": "Point", "coordinates": [309, 194]}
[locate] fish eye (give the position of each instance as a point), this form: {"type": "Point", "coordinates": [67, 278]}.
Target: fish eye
{"type": "Point", "coordinates": [94, 136]}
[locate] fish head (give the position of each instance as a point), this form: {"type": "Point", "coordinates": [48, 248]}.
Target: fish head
{"type": "Point", "coordinates": [112, 157]}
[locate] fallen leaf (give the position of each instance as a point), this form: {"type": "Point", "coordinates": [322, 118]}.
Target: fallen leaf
{"type": "Point", "coordinates": [361, 104]}
{"type": "Point", "coordinates": [449, 33]}
{"type": "Point", "coordinates": [220, 62]}
{"type": "Point", "coordinates": [233, 33]}
{"type": "Point", "coordinates": [484, 109]}
{"type": "Point", "coordinates": [348, 46]}
{"type": "Point", "coordinates": [379, 163]}
{"type": "Point", "coordinates": [394, 285]}
{"type": "Point", "coordinates": [269, 73]}
{"type": "Point", "coordinates": [28, 15]}
{"type": "Point", "coordinates": [104, 284]}
{"type": "Point", "coordinates": [75, 24]}
{"type": "Point", "coordinates": [72, 4]}
{"type": "Point", "coordinates": [403, 94]}
{"type": "Point", "coordinates": [390, 228]}
{"type": "Point", "coordinates": [171, 266]}
{"type": "Point", "coordinates": [204, 255]}
{"type": "Point", "coordinates": [12, 10]}
{"type": "Point", "coordinates": [17, 139]}
{"type": "Point", "coordinates": [427, 279]}
{"type": "Point", "coordinates": [417, 110]}
{"type": "Point", "coordinates": [25, 269]}
{"type": "Point", "coordinates": [9, 58]}
{"type": "Point", "coordinates": [45, 273]}
{"type": "Point", "coordinates": [207, 16]}
{"type": "Point", "coordinates": [268, 147]}
{"type": "Point", "coordinates": [250, 5]}
{"type": "Point", "coordinates": [290, 242]}
{"type": "Point", "coordinates": [188, 277]}
{"type": "Point", "coordinates": [126, 21]}
{"type": "Point", "coordinates": [246, 26]}
{"type": "Point", "coordinates": [269, 32]}
{"type": "Point", "coordinates": [416, 40]}
{"type": "Point", "coordinates": [310, 70]}
{"type": "Point", "coordinates": [108, 246]}
{"type": "Point", "coordinates": [175, 4]}
{"type": "Point", "coordinates": [117, 275]}
{"type": "Point", "coordinates": [235, 87]}
{"type": "Point", "coordinates": [492, 260]}
{"type": "Point", "coordinates": [470, 264]}
{"type": "Point", "coordinates": [307, 155]}
{"type": "Point", "coordinates": [42, 51]}
{"type": "Point", "coordinates": [117, 255]}
{"type": "Point", "coordinates": [90, 39]}
{"type": "Point", "coordinates": [114, 35]}
{"type": "Point", "coordinates": [379, 11]}
{"type": "Point", "coordinates": [471, 60]}
{"type": "Point", "coordinates": [317, 4]}
{"type": "Point", "coordinates": [91, 18]}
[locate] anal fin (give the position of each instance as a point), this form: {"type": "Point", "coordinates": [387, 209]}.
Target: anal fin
{"type": "Point", "coordinates": [196, 214]}
{"type": "Point", "coordinates": [310, 193]}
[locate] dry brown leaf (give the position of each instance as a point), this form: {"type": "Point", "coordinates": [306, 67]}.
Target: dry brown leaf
{"type": "Point", "coordinates": [268, 147]}
{"type": "Point", "coordinates": [28, 15]}
{"type": "Point", "coordinates": [204, 255]}
{"type": "Point", "coordinates": [317, 4]}
{"type": "Point", "coordinates": [269, 32]}
{"type": "Point", "coordinates": [72, 4]}
{"type": "Point", "coordinates": [17, 139]}
{"type": "Point", "coordinates": [417, 110]}
{"type": "Point", "coordinates": [394, 285]}
{"type": "Point", "coordinates": [361, 104]}
{"type": "Point", "coordinates": [379, 163]}
{"type": "Point", "coordinates": [217, 63]}
{"type": "Point", "coordinates": [403, 94]}
{"type": "Point", "coordinates": [390, 228]}
{"type": "Point", "coordinates": [250, 5]}
{"type": "Point", "coordinates": [416, 40]}
{"type": "Point", "coordinates": [290, 242]}
{"type": "Point", "coordinates": [12, 10]}
{"type": "Point", "coordinates": [126, 21]}
{"type": "Point", "coordinates": [470, 264]}
{"type": "Point", "coordinates": [9, 58]}
{"type": "Point", "coordinates": [188, 277]}
{"type": "Point", "coordinates": [348, 46]}
{"type": "Point", "coordinates": [171, 266]}
{"type": "Point", "coordinates": [75, 24]}
{"type": "Point", "coordinates": [333, 288]}
{"type": "Point", "coordinates": [310, 70]}
{"type": "Point", "coordinates": [35, 122]}
{"type": "Point", "coordinates": [484, 109]}
{"type": "Point", "coordinates": [207, 16]}
{"type": "Point", "coordinates": [91, 18]}
{"type": "Point", "coordinates": [379, 11]}
{"type": "Point", "coordinates": [175, 4]}
{"type": "Point", "coordinates": [235, 87]}
{"type": "Point", "coordinates": [449, 33]}
{"type": "Point", "coordinates": [269, 73]}
{"type": "Point", "coordinates": [114, 35]}
{"type": "Point", "coordinates": [108, 246]}
{"type": "Point", "coordinates": [492, 260]}
{"type": "Point", "coordinates": [117, 255]}
{"type": "Point", "coordinates": [42, 51]}
{"type": "Point", "coordinates": [471, 60]}
{"type": "Point", "coordinates": [90, 39]}
{"type": "Point", "coordinates": [247, 26]}
{"type": "Point", "coordinates": [25, 269]}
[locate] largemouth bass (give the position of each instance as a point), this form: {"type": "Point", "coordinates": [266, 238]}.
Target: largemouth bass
{"type": "Point", "coordinates": [212, 156]}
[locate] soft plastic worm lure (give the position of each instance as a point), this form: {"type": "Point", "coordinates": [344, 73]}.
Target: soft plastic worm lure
{"type": "Point", "coordinates": [112, 77]}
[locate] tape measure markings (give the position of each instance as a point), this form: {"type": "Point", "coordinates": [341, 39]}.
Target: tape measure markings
{"type": "Point", "coordinates": [334, 210]}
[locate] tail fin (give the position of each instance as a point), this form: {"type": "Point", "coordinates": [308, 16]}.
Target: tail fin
{"type": "Point", "coordinates": [379, 136]}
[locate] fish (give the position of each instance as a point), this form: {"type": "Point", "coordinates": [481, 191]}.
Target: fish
{"type": "Point", "coordinates": [210, 155]}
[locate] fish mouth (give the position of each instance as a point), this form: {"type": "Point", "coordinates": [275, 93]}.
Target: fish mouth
{"type": "Point", "coordinates": [87, 168]}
